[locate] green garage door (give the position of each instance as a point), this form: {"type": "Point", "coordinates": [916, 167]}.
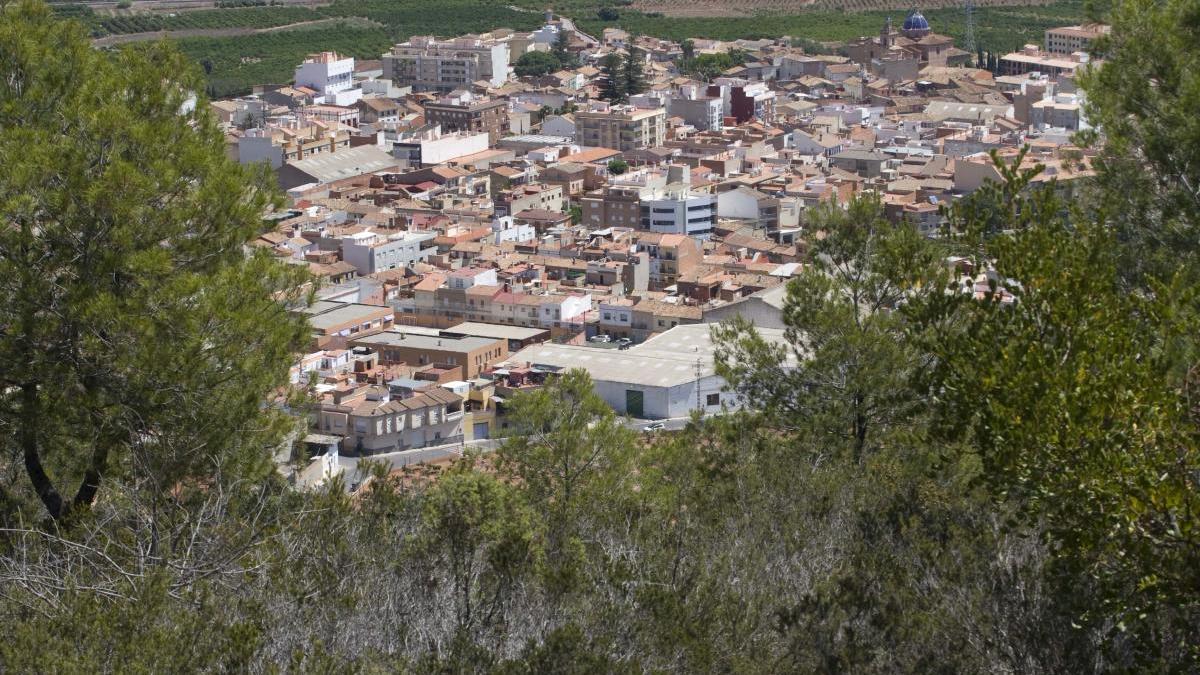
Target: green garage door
{"type": "Point", "coordinates": [634, 403]}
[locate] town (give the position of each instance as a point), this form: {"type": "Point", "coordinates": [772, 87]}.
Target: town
{"type": "Point", "coordinates": [609, 336]}
{"type": "Point", "coordinates": [487, 210]}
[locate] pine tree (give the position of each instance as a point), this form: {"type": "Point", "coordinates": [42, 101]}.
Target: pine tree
{"type": "Point", "coordinates": [138, 336]}
{"type": "Point", "coordinates": [634, 73]}
{"type": "Point", "coordinates": [612, 79]}
{"type": "Point", "coordinates": [562, 52]}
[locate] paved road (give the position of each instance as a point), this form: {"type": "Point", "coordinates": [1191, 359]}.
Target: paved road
{"type": "Point", "coordinates": [672, 424]}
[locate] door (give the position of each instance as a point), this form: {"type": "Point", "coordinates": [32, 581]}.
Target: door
{"type": "Point", "coordinates": [481, 430]}
{"type": "Point", "coordinates": [634, 403]}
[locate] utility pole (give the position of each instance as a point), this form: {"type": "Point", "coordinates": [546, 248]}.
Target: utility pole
{"type": "Point", "coordinates": [969, 37]}
{"type": "Point", "coordinates": [699, 376]}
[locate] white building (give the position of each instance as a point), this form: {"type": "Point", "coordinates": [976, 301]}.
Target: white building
{"type": "Point", "coordinates": [676, 209]}
{"type": "Point", "coordinates": [331, 76]}
{"type": "Point", "coordinates": [505, 229]}
{"type": "Point", "coordinates": [434, 147]}
{"type": "Point", "coordinates": [668, 376]}
{"type": "Point", "coordinates": [370, 252]}
{"type": "Point", "coordinates": [1063, 111]}
{"type": "Point", "coordinates": [469, 277]}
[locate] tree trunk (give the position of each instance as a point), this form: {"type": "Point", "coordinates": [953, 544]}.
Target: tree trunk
{"type": "Point", "coordinates": [30, 414]}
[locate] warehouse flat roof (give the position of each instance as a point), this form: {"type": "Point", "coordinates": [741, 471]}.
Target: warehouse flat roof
{"type": "Point", "coordinates": [327, 314]}
{"type": "Point", "coordinates": [495, 330]}
{"type": "Point", "coordinates": [431, 342]}
{"type": "Point", "coordinates": [667, 360]}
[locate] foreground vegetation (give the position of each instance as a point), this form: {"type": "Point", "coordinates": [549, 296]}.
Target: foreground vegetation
{"type": "Point", "coordinates": [236, 63]}
{"type": "Point", "coordinates": [946, 483]}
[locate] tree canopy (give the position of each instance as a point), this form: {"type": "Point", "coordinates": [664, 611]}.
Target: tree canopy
{"type": "Point", "coordinates": [140, 337]}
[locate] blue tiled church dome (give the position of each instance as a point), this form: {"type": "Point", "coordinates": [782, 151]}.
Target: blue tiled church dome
{"type": "Point", "coordinates": [916, 23]}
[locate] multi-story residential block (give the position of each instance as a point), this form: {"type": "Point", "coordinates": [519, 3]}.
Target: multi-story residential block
{"type": "Point", "coordinates": [705, 113]}
{"type": "Point", "coordinates": [428, 64]}
{"type": "Point", "coordinates": [378, 110]}
{"type": "Point", "coordinates": [676, 209]}
{"type": "Point", "coordinates": [293, 141]}
{"type": "Point", "coordinates": [670, 256]}
{"type": "Point", "coordinates": [614, 206]}
{"type": "Point", "coordinates": [333, 322]}
{"type": "Point", "coordinates": [1031, 59]}
{"type": "Point", "coordinates": [654, 201]}
{"type": "Point", "coordinates": [746, 203]}
{"type": "Point", "coordinates": [1061, 110]}
{"type": "Point", "coordinates": [744, 100]}
{"type": "Point", "coordinates": [1071, 39]}
{"type": "Point", "coordinates": [469, 354]}
{"type": "Point", "coordinates": [463, 112]}
{"type": "Point", "coordinates": [621, 127]}
{"type": "Point", "coordinates": [330, 114]}
{"type": "Point", "coordinates": [528, 197]}
{"type": "Point", "coordinates": [430, 146]}
{"type": "Point", "coordinates": [376, 422]}
{"type": "Point", "coordinates": [372, 252]}
{"type": "Point", "coordinates": [331, 76]}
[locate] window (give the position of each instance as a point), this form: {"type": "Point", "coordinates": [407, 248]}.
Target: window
{"type": "Point", "coordinates": [712, 400]}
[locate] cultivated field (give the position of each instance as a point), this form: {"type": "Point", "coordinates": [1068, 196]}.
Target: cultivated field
{"type": "Point", "coordinates": [741, 8]}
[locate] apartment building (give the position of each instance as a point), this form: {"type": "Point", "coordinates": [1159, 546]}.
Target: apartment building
{"type": "Point", "coordinates": [536, 196]}
{"type": "Point", "coordinates": [334, 322]}
{"type": "Point", "coordinates": [1071, 39]}
{"type": "Point", "coordinates": [427, 64]}
{"type": "Point", "coordinates": [745, 101]}
{"type": "Point", "coordinates": [330, 114]}
{"type": "Point", "coordinates": [376, 422]}
{"type": "Point", "coordinates": [331, 76]}
{"type": "Point", "coordinates": [1033, 60]}
{"type": "Point", "coordinates": [372, 252]}
{"type": "Point", "coordinates": [1061, 111]}
{"type": "Point", "coordinates": [671, 255]}
{"type": "Point", "coordinates": [676, 209]}
{"type": "Point", "coordinates": [621, 127]}
{"type": "Point", "coordinates": [290, 142]}
{"type": "Point", "coordinates": [464, 112]}
{"type": "Point", "coordinates": [470, 355]}
{"type": "Point", "coordinates": [613, 206]}
{"type": "Point", "coordinates": [706, 113]}
{"type": "Point", "coordinates": [431, 147]}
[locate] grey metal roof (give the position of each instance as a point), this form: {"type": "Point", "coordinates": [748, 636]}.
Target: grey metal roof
{"type": "Point", "coordinates": [666, 360]}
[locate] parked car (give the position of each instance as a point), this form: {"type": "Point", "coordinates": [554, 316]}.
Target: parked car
{"type": "Point", "coordinates": [624, 342]}
{"type": "Point", "coordinates": [654, 426]}
{"type": "Point", "coordinates": [601, 338]}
